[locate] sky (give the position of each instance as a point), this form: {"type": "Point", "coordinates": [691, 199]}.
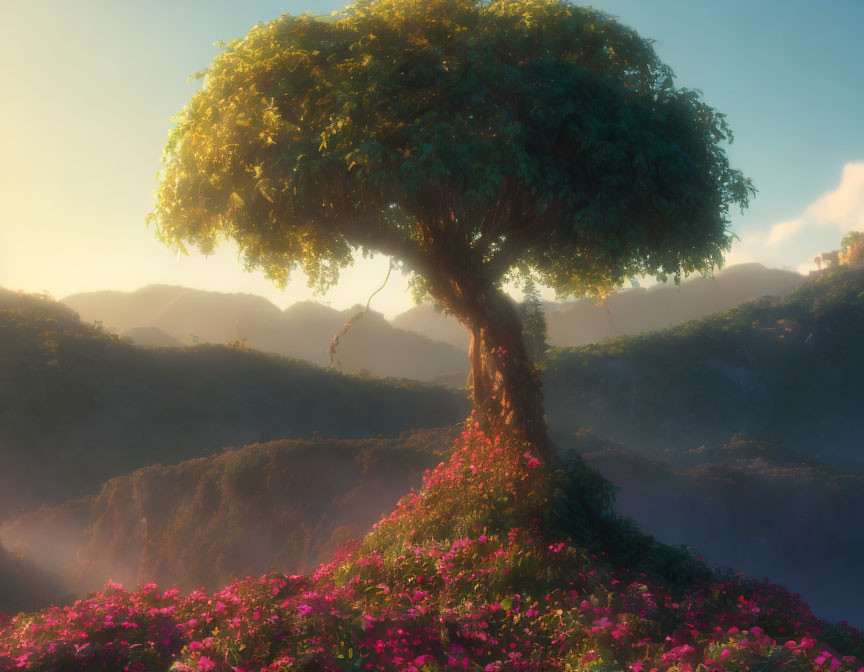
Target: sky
{"type": "Point", "coordinates": [89, 89]}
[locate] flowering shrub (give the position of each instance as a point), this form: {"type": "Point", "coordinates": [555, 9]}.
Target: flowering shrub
{"type": "Point", "coordinates": [476, 572]}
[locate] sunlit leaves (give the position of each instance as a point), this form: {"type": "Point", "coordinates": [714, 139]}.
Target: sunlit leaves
{"type": "Point", "coordinates": [525, 133]}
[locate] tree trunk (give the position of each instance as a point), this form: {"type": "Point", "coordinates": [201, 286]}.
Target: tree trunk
{"type": "Point", "coordinates": [506, 386]}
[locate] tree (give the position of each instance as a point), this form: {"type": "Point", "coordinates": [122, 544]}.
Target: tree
{"type": "Point", "coordinates": [853, 244]}
{"type": "Point", "coordinates": [470, 140]}
{"type": "Point", "coordinates": [533, 319]}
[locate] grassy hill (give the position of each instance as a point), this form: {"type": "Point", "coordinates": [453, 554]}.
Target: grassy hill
{"type": "Point", "coordinates": [79, 406]}
{"type": "Point", "coordinates": [675, 399]}
{"type": "Point", "coordinates": [786, 371]}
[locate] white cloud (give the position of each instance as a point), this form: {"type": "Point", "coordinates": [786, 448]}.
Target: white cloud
{"type": "Point", "coordinates": [805, 267]}
{"type": "Point", "coordinates": [794, 242]}
{"type": "Point", "coordinates": [783, 230]}
{"type": "Point", "coordinates": [841, 209]}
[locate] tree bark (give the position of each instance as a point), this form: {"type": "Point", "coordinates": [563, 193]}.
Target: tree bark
{"type": "Point", "coordinates": [506, 390]}
{"type": "Point", "coordinates": [506, 387]}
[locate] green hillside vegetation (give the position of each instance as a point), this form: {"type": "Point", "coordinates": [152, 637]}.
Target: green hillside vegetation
{"type": "Point", "coordinates": [283, 505]}
{"type": "Point", "coordinates": [783, 370]}
{"type": "Point", "coordinates": [741, 502]}
{"type": "Point", "coordinates": [510, 567]}
{"type": "Point", "coordinates": [753, 506]}
{"type": "Point", "coordinates": [79, 406]}
{"type": "Point", "coordinates": [288, 504]}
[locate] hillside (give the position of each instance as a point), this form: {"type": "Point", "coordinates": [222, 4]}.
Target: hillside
{"type": "Point", "coordinates": [78, 406]}
{"type": "Point", "coordinates": [509, 567]}
{"type": "Point", "coordinates": [750, 505]}
{"type": "Point", "coordinates": [283, 505]}
{"type": "Point", "coordinates": [302, 331]}
{"type": "Point", "coordinates": [288, 504]}
{"type": "Point", "coordinates": [640, 310]}
{"type": "Point", "coordinates": [629, 311]}
{"type": "Point", "coordinates": [679, 481]}
{"type": "Point", "coordinates": [784, 370]}
{"type": "Point", "coordinates": [150, 337]}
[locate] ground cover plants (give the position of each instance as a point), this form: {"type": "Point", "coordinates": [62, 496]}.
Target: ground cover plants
{"type": "Point", "coordinates": [498, 563]}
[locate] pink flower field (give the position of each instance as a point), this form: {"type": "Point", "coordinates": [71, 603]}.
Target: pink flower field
{"type": "Point", "coordinates": [490, 567]}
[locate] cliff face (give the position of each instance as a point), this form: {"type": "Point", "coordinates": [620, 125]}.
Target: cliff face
{"type": "Point", "coordinates": [283, 505]}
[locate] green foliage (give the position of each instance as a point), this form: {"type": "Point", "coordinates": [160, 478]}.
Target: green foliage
{"type": "Point", "coordinates": [492, 485]}
{"type": "Point", "coordinates": [853, 238]}
{"type": "Point", "coordinates": [512, 134]}
{"type": "Point", "coordinates": [80, 406]}
{"type": "Point", "coordinates": [783, 371]}
{"type": "Point", "coordinates": [533, 317]}
{"type": "Point", "coordinates": [853, 243]}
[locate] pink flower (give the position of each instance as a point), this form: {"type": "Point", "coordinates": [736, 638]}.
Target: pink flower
{"type": "Point", "coordinates": [205, 664]}
{"type": "Point", "coordinates": [304, 609]}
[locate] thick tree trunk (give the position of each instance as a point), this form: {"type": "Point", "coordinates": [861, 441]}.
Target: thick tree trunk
{"type": "Point", "coordinates": [506, 386]}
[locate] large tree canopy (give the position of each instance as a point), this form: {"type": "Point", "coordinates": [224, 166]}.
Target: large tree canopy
{"type": "Point", "coordinates": [466, 138]}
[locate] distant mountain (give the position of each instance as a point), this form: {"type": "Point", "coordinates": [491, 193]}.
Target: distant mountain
{"type": "Point", "coordinates": [303, 331]}
{"type": "Point", "coordinates": [630, 311]}
{"type": "Point", "coordinates": [434, 324]}
{"type": "Point", "coordinates": [639, 310]}
{"type": "Point", "coordinates": [78, 405]}
{"type": "Point", "coordinates": [420, 344]}
{"type": "Point", "coordinates": [212, 317]}
{"type": "Point", "coordinates": [150, 337]}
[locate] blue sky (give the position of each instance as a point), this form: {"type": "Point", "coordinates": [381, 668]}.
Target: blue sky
{"type": "Point", "coordinates": [89, 89]}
